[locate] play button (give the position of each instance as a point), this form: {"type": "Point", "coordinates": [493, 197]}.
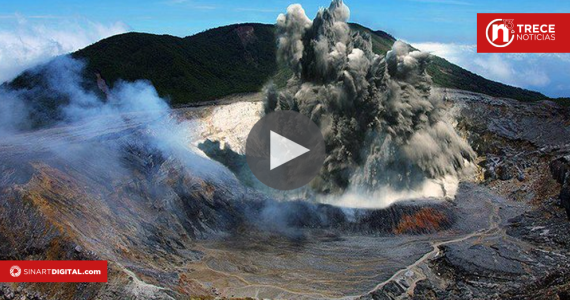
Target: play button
{"type": "Point", "coordinates": [282, 150]}
{"type": "Point", "coordinates": [285, 150]}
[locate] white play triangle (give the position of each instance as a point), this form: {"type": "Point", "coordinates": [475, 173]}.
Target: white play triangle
{"type": "Point", "coordinates": [282, 150]}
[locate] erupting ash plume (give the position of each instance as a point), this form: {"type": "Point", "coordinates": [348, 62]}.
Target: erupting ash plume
{"type": "Point", "coordinates": [382, 128]}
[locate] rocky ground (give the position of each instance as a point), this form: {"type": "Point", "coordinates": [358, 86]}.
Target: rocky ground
{"type": "Point", "coordinates": [524, 252]}
{"type": "Point", "coordinates": [171, 231]}
{"type": "Point", "coordinates": [163, 220]}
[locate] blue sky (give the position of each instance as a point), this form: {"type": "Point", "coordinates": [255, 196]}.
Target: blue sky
{"type": "Point", "coordinates": [443, 27]}
{"type": "Point", "coordinates": [437, 20]}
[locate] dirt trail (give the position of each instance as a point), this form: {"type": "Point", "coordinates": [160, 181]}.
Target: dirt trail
{"type": "Point", "coordinates": [413, 273]}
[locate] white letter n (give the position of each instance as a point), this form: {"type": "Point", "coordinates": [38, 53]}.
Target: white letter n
{"type": "Point", "coordinates": [496, 29]}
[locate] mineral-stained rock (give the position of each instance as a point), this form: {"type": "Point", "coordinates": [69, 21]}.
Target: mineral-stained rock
{"type": "Point", "coordinates": [506, 172]}
{"type": "Point", "coordinates": [145, 212]}
{"type": "Point", "coordinates": [560, 169]}
{"type": "Point", "coordinates": [150, 218]}
{"type": "Point", "coordinates": [523, 254]}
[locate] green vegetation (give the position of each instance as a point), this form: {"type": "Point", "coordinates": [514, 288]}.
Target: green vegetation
{"type": "Point", "coordinates": [233, 59]}
{"type": "Point", "coordinates": [446, 74]}
{"type": "Point", "coordinates": [562, 101]}
{"type": "Point", "coordinates": [205, 66]}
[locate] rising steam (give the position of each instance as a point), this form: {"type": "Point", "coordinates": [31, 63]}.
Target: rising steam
{"type": "Point", "coordinates": [99, 127]}
{"type": "Point", "coordinates": [384, 133]}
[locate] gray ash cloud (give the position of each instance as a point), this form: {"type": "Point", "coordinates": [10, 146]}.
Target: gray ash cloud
{"type": "Point", "coordinates": [382, 126]}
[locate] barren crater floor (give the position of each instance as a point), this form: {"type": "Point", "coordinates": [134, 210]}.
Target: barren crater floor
{"type": "Point", "coordinates": [332, 265]}
{"type": "Point", "coordinates": [169, 233]}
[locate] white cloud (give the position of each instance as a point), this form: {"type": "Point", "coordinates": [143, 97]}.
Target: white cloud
{"type": "Point", "coordinates": [543, 72]}
{"type": "Point", "coordinates": [31, 40]}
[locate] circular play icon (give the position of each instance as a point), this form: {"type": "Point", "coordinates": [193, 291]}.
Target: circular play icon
{"type": "Point", "coordinates": [285, 150]}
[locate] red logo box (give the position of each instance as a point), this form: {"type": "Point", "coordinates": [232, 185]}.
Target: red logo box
{"type": "Point", "coordinates": [53, 271]}
{"type": "Point", "coordinates": [523, 33]}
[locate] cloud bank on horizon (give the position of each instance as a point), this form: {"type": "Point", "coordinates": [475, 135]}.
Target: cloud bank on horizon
{"type": "Point", "coordinates": [543, 72]}
{"type": "Point", "coordinates": [33, 40]}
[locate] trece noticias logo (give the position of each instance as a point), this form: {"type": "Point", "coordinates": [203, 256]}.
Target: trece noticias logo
{"type": "Point", "coordinates": [523, 33]}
